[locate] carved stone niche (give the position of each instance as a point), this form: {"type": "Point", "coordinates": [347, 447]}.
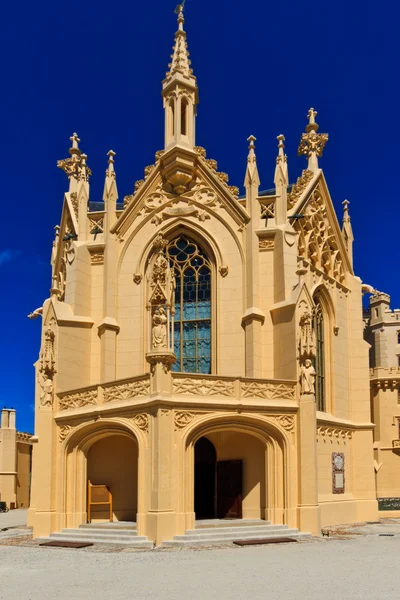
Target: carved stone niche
{"type": "Point", "coordinates": [306, 349]}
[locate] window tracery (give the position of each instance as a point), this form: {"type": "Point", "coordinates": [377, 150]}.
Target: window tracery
{"type": "Point", "coordinates": [192, 306]}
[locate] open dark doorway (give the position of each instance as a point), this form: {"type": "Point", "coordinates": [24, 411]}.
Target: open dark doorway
{"type": "Point", "coordinates": [205, 458]}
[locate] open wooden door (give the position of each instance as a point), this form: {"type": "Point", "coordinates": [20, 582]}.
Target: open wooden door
{"type": "Point", "coordinates": [229, 489]}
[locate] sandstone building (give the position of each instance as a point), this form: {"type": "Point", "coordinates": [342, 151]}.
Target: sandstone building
{"type": "Point", "coordinates": [15, 462]}
{"type": "Point", "coordinates": [382, 332]}
{"type": "Point", "coordinates": [202, 353]}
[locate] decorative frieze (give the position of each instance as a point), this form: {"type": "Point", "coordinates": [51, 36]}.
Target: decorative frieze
{"type": "Point", "coordinates": [126, 391]}
{"type": "Point", "coordinates": [332, 434]}
{"type": "Point", "coordinates": [202, 387]}
{"type": "Point", "coordinates": [78, 400]}
{"type": "Point", "coordinates": [268, 391]}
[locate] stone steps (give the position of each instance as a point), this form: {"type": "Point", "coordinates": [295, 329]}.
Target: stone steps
{"type": "Point", "coordinates": [206, 536]}
{"type": "Point", "coordinates": [102, 535]}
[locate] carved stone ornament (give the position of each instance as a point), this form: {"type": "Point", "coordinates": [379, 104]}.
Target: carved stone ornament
{"type": "Point", "coordinates": [268, 391]}
{"type": "Point", "coordinates": [223, 270]}
{"type": "Point", "coordinates": [137, 278]}
{"type": "Point", "coordinates": [266, 244]}
{"type": "Point", "coordinates": [287, 422]}
{"type": "Point", "coordinates": [97, 258]}
{"type": "Point", "coordinates": [64, 431]}
{"type": "Point", "coordinates": [47, 359]}
{"type": "Point", "coordinates": [203, 387]}
{"type": "Point", "coordinates": [125, 391]}
{"type": "Point", "coordinates": [182, 419]}
{"type": "Point", "coordinates": [307, 346]}
{"type": "Point", "coordinates": [299, 187]}
{"type": "Point", "coordinates": [78, 400]}
{"type": "Point", "coordinates": [141, 420]}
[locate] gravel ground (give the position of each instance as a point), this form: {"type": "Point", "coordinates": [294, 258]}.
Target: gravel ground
{"type": "Point", "coordinates": [361, 567]}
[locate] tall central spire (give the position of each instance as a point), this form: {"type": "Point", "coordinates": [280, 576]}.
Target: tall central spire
{"type": "Point", "coordinates": [180, 93]}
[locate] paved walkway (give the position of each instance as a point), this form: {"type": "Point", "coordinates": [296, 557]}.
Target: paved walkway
{"type": "Point", "coordinates": [13, 518]}
{"type": "Point", "coordinates": [364, 567]}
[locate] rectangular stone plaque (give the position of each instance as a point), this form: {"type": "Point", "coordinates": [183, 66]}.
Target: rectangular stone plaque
{"type": "Point", "coordinates": [338, 473]}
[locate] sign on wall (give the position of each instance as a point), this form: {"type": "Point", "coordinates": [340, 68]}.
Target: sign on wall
{"type": "Point", "coordinates": [338, 473]}
{"type": "Point", "coordinates": [389, 503]}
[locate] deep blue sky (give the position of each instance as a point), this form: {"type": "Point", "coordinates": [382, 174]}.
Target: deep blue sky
{"type": "Point", "coordinates": [96, 68]}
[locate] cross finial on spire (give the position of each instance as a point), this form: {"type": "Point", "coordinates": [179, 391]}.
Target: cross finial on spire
{"type": "Point", "coordinates": [312, 124]}
{"type": "Point", "coordinates": [74, 144]}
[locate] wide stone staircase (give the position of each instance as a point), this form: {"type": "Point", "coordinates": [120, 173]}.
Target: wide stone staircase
{"type": "Point", "coordinates": [217, 531]}
{"type": "Point", "coordinates": [122, 533]}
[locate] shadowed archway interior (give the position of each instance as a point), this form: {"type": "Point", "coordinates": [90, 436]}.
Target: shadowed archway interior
{"type": "Point", "coordinates": [113, 461]}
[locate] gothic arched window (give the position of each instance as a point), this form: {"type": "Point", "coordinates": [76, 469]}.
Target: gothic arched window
{"type": "Point", "coordinates": [320, 356]}
{"type": "Point", "coordinates": [192, 321]}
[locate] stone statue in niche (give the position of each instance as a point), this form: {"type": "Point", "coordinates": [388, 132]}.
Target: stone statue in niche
{"type": "Point", "coordinates": [307, 377]}
{"type": "Point", "coordinates": [159, 334]}
{"type": "Point", "coordinates": [46, 383]}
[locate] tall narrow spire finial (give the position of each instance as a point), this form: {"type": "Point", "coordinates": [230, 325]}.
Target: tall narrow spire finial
{"type": "Point", "coordinates": [179, 12]}
{"type": "Point", "coordinates": [281, 158]}
{"type": "Point", "coordinates": [180, 58]}
{"type": "Point", "coordinates": [312, 143]}
{"type": "Point", "coordinates": [346, 215]}
{"type": "Point", "coordinates": [251, 177]}
{"type": "Point", "coordinates": [110, 169]}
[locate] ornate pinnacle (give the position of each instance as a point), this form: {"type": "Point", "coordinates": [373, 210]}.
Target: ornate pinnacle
{"type": "Point", "coordinates": [281, 158]}
{"type": "Point", "coordinates": [180, 57]}
{"type": "Point", "coordinates": [251, 158]}
{"type": "Point", "coordinates": [346, 215]}
{"type": "Point", "coordinates": [110, 170]}
{"type": "Point", "coordinates": [312, 143]}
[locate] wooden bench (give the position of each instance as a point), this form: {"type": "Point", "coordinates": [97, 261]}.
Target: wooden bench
{"type": "Point", "coordinates": [99, 495]}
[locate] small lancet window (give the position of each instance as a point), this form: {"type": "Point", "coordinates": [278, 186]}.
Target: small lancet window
{"type": "Point", "coordinates": [320, 357]}
{"type": "Point", "coordinates": [192, 319]}
{"type": "Point", "coordinates": [172, 117]}
{"type": "Point", "coordinates": [184, 111]}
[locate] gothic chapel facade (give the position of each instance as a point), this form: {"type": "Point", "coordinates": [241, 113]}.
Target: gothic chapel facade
{"type": "Point", "coordinates": [202, 354]}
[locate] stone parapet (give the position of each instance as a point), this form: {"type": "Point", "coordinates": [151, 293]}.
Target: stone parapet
{"type": "Point", "coordinates": [197, 388]}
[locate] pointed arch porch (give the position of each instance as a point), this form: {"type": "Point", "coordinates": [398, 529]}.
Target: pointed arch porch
{"type": "Point", "coordinates": [278, 500]}
{"type": "Point", "coordinates": [73, 466]}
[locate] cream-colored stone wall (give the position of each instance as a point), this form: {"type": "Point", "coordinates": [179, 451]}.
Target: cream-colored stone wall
{"type": "Point", "coordinates": [106, 398]}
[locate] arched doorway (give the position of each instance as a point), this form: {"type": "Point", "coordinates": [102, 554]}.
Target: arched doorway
{"type": "Point", "coordinates": [229, 476]}
{"type": "Point", "coordinates": [205, 463]}
{"type": "Point", "coordinates": [113, 461]}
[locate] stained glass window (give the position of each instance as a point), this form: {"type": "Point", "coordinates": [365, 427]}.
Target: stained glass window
{"type": "Point", "coordinates": [320, 358]}
{"type": "Point", "coordinates": [192, 326]}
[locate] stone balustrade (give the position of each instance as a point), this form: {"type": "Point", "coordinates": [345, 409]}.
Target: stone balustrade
{"type": "Point", "coordinates": [183, 384]}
